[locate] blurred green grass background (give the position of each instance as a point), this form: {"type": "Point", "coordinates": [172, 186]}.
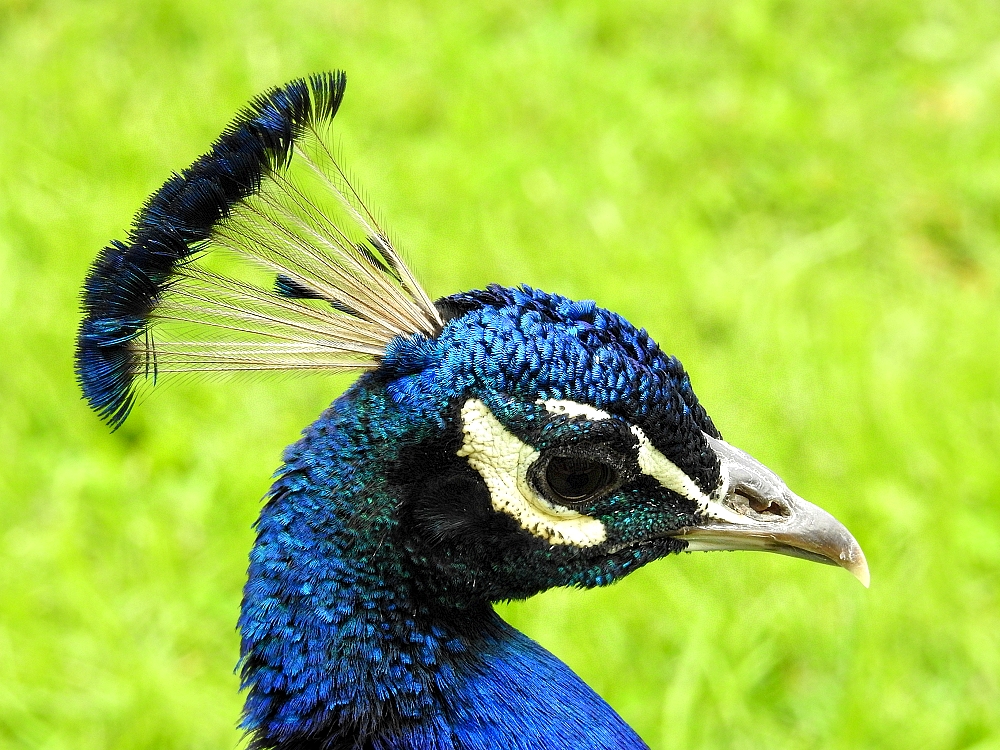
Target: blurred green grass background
{"type": "Point", "coordinates": [799, 199]}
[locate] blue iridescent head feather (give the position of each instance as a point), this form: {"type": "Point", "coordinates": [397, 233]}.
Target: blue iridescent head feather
{"type": "Point", "coordinates": [526, 341]}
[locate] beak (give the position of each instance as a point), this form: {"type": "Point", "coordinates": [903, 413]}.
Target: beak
{"type": "Point", "coordinates": [758, 512]}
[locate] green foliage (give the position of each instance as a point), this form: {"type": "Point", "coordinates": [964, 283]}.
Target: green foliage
{"type": "Point", "coordinates": [799, 199]}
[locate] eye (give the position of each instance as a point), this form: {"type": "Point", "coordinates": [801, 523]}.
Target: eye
{"type": "Point", "coordinates": [575, 479]}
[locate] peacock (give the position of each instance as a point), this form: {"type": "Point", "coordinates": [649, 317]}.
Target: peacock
{"type": "Point", "coordinates": [496, 443]}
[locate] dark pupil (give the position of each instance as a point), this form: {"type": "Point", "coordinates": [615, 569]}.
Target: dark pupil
{"type": "Point", "coordinates": [576, 478]}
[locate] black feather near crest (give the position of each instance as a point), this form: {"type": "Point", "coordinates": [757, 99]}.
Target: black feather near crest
{"type": "Point", "coordinates": [238, 199]}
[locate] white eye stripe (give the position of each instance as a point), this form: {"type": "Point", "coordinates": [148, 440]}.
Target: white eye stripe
{"type": "Point", "coordinates": [503, 460]}
{"type": "Point", "coordinates": [573, 409]}
{"type": "Point", "coordinates": [669, 475]}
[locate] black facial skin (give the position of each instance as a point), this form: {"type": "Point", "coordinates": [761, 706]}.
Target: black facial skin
{"type": "Point", "coordinates": [463, 552]}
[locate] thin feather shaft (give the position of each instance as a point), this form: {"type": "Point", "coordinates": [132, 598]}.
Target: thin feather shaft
{"type": "Point", "coordinates": [240, 320]}
{"type": "Point", "coordinates": [275, 239]}
{"type": "Point", "coordinates": [262, 367]}
{"type": "Point", "coordinates": [417, 291]}
{"type": "Point", "coordinates": [348, 252]}
{"type": "Point", "coordinates": [338, 246]}
{"type": "Point", "coordinates": [209, 286]}
{"type": "Point", "coordinates": [275, 260]}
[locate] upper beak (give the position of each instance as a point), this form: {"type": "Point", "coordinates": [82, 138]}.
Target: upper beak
{"type": "Point", "coordinates": [758, 512]}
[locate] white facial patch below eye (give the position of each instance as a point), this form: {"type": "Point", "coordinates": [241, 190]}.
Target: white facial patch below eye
{"type": "Point", "coordinates": [669, 475]}
{"type": "Point", "coordinates": [502, 460]}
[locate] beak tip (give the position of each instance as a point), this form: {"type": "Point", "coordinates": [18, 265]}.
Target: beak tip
{"type": "Point", "coordinates": [858, 566]}
{"type": "Point", "coordinates": [863, 575]}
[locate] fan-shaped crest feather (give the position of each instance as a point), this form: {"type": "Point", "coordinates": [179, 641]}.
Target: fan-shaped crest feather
{"type": "Point", "coordinates": [259, 256]}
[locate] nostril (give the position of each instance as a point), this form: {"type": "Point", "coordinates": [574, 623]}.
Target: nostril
{"type": "Point", "coordinates": [762, 505]}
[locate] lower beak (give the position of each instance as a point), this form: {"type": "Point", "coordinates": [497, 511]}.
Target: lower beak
{"type": "Point", "coordinates": [758, 512]}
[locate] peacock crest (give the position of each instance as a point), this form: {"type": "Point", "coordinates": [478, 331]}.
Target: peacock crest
{"type": "Point", "coordinates": [260, 256]}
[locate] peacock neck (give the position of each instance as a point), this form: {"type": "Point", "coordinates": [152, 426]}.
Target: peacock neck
{"type": "Point", "coordinates": [342, 648]}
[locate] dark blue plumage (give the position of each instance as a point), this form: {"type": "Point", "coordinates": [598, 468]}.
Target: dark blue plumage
{"type": "Point", "coordinates": [501, 442]}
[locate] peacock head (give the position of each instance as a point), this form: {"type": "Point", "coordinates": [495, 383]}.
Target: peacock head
{"type": "Point", "coordinates": [535, 441]}
{"type": "Point", "coordinates": [560, 446]}
{"type": "Point", "coordinates": [497, 443]}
